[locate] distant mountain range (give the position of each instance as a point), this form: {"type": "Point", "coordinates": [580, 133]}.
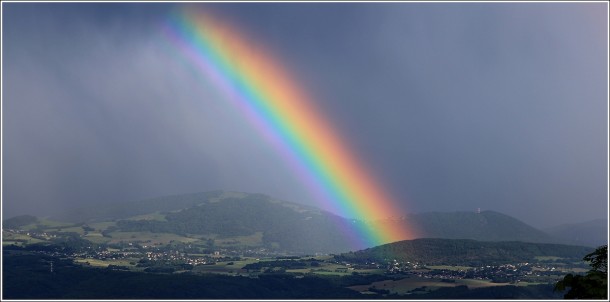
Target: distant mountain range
{"type": "Point", "coordinates": [288, 226]}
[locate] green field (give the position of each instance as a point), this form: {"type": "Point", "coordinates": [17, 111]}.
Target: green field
{"type": "Point", "coordinates": [16, 239]}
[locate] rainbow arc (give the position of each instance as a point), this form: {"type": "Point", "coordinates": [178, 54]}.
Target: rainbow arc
{"type": "Point", "coordinates": [258, 85]}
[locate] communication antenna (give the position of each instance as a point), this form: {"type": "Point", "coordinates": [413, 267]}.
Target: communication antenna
{"type": "Point", "coordinates": [51, 266]}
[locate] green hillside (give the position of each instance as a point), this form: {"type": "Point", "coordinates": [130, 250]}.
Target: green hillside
{"type": "Point", "coordinates": [436, 251]}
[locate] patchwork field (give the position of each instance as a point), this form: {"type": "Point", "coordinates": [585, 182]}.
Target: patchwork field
{"type": "Point", "coordinates": [18, 239]}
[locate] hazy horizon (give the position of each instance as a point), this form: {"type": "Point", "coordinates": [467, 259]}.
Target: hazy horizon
{"type": "Point", "coordinates": [450, 106]}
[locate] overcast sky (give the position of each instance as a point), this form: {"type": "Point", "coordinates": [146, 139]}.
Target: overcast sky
{"type": "Point", "coordinates": [498, 106]}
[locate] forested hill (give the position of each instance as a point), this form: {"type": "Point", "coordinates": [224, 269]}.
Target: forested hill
{"type": "Point", "coordinates": [435, 251]}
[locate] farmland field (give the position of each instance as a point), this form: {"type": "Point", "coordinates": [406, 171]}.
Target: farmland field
{"type": "Point", "coordinates": [17, 239]}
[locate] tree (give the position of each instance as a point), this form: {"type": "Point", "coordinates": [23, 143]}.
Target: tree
{"type": "Point", "coordinates": [593, 285]}
{"type": "Point", "coordinates": [599, 259]}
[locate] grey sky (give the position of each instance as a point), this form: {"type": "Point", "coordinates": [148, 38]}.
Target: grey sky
{"type": "Point", "coordinates": [501, 106]}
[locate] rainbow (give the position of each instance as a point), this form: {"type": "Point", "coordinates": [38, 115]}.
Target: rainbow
{"type": "Point", "coordinates": [256, 83]}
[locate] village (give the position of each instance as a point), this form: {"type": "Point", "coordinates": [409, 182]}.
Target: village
{"type": "Point", "coordinates": [504, 273]}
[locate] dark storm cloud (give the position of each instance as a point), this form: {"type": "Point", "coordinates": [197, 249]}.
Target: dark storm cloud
{"type": "Point", "coordinates": [452, 106]}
